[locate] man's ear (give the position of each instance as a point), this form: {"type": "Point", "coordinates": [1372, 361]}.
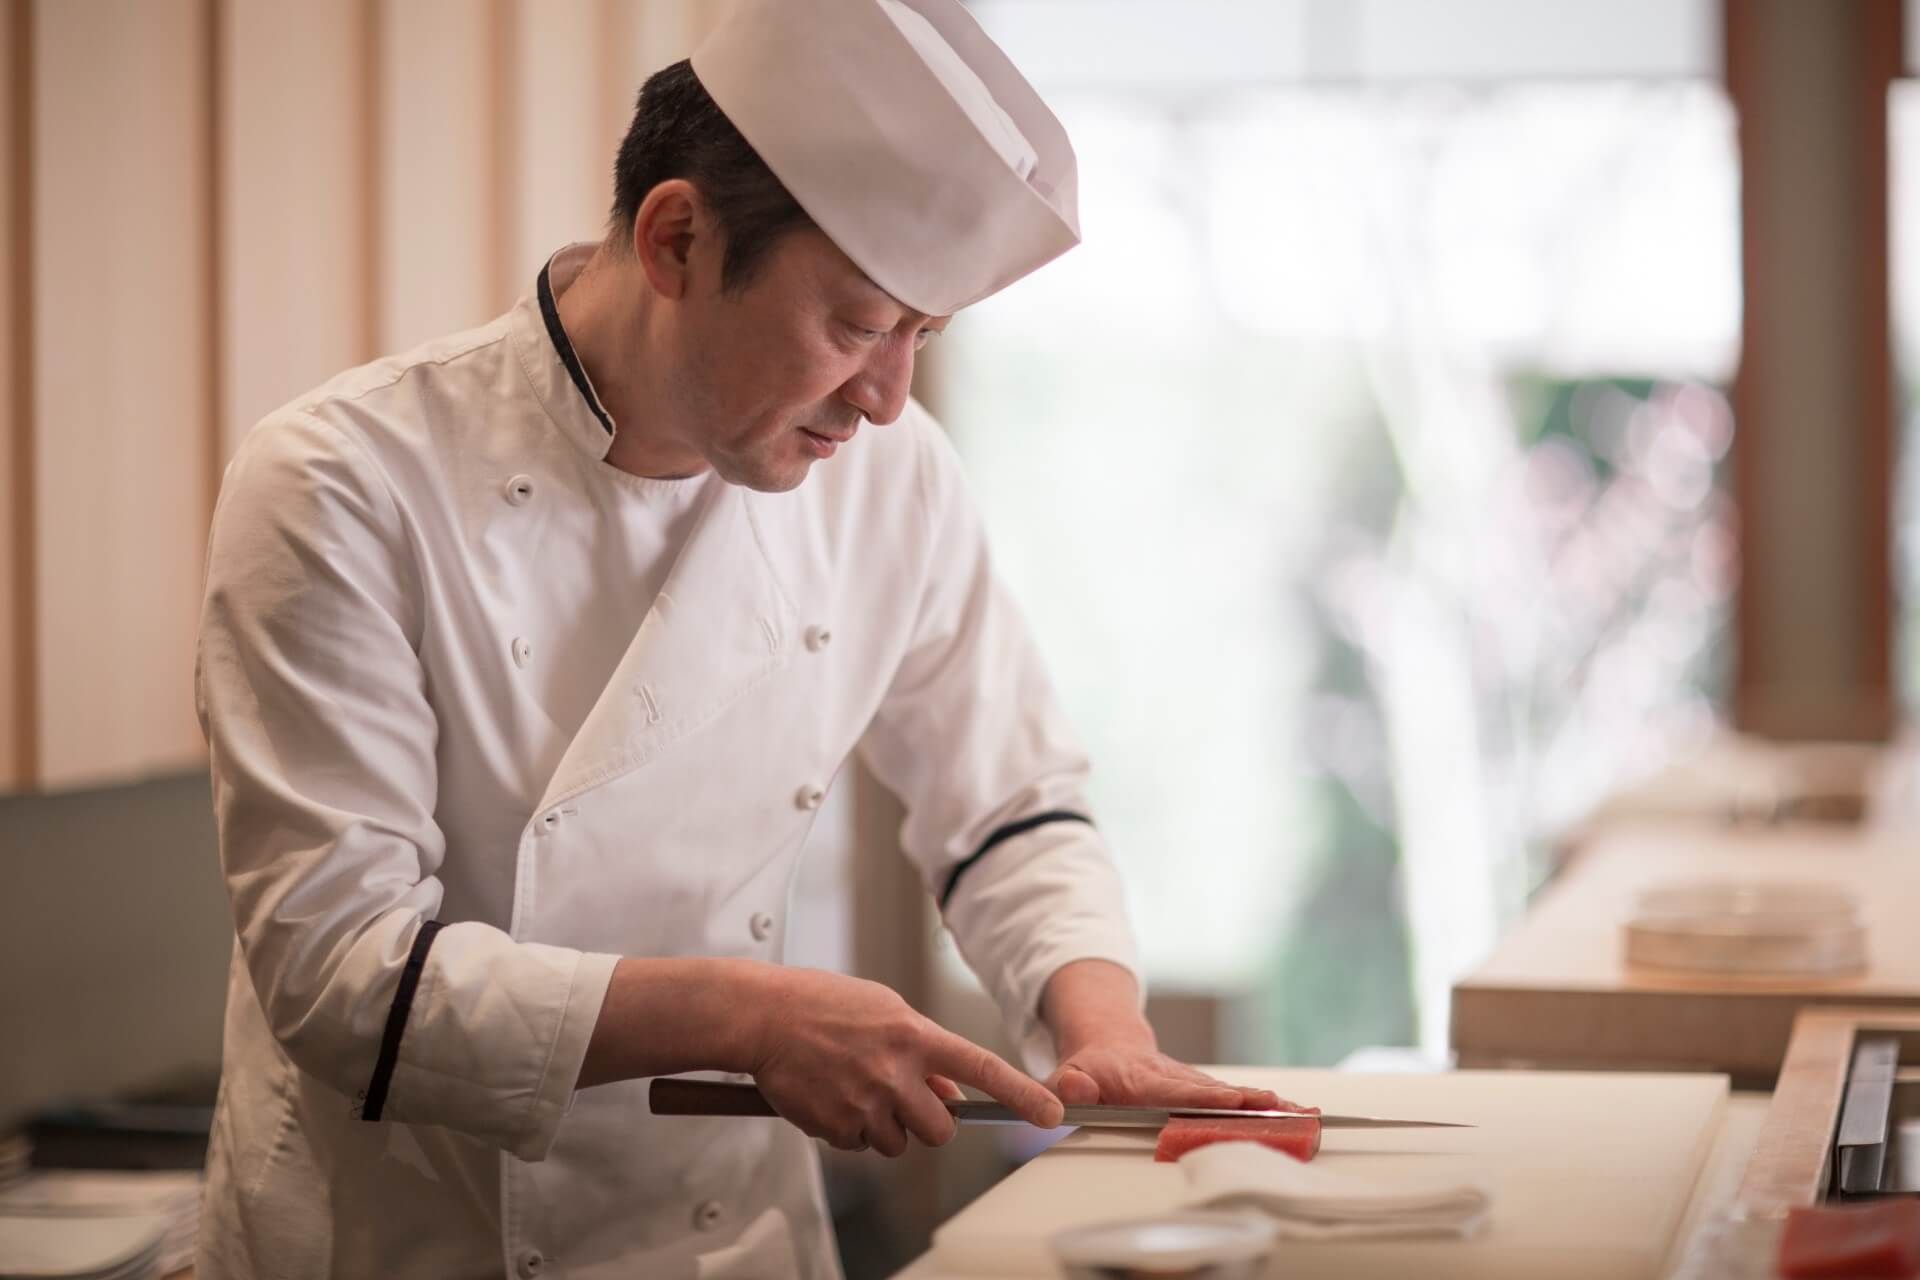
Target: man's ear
{"type": "Point", "coordinates": [666, 226]}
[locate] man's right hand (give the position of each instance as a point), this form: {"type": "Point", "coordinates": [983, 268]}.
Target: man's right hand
{"type": "Point", "coordinates": [849, 1061]}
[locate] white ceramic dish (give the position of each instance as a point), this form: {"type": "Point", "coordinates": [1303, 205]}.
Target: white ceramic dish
{"type": "Point", "coordinates": [1196, 1244]}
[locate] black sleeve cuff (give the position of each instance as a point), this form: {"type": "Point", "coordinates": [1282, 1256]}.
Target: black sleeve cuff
{"type": "Point", "coordinates": [375, 1099]}
{"type": "Point", "coordinates": [1008, 832]}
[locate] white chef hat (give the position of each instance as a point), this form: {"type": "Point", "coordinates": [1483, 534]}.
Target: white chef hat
{"type": "Point", "coordinates": [906, 135]}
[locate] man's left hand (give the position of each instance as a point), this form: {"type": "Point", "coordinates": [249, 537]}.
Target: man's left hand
{"type": "Point", "coordinates": [1131, 1075]}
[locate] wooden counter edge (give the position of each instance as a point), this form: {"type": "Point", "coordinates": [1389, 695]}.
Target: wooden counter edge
{"type": "Point", "coordinates": [1742, 1034]}
{"type": "Point", "coordinates": [1793, 1158]}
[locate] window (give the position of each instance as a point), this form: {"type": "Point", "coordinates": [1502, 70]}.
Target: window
{"type": "Point", "coordinates": [1359, 472]}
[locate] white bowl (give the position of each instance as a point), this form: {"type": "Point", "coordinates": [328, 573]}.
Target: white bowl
{"type": "Point", "coordinates": [1195, 1244]}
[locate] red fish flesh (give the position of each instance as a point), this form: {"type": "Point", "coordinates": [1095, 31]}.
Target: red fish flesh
{"type": "Point", "coordinates": [1880, 1239]}
{"type": "Point", "coordinates": [1297, 1136]}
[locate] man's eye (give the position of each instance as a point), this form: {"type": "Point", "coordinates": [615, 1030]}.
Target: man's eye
{"type": "Point", "coordinates": [921, 338]}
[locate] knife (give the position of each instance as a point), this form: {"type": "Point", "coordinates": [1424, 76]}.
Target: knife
{"type": "Point", "coordinates": [670, 1096]}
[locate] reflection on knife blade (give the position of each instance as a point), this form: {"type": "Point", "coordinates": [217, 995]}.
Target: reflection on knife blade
{"type": "Point", "coordinates": [1108, 1117]}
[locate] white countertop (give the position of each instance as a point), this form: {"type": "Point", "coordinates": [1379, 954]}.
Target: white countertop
{"type": "Point", "coordinates": [1625, 1208]}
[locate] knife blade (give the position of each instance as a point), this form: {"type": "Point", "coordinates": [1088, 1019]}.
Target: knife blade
{"type": "Point", "coordinates": [670, 1096]}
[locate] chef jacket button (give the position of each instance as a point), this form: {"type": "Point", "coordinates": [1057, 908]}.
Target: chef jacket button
{"type": "Point", "coordinates": [761, 924]}
{"type": "Point", "coordinates": [707, 1216]}
{"type": "Point", "coordinates": [519, 490]}
{"type": "Point", "coordinates": [808, 797]}
{"type": "Point", "coordinates": [818, 638]}
{"type": "Point", "coordinates": [551, 820]}
{"type": "Point", "coordinates": [530, 1263]}
{"type": "Point", "coordinates": [522, 651]}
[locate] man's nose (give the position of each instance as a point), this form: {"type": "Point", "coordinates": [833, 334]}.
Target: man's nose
{"type": "Point", "coordinates": [879, 390]}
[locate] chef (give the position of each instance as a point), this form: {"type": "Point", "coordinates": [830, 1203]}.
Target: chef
{"type": "Point", "coordinates": [529, 656]}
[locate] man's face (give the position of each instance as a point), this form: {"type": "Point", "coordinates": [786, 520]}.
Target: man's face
{"type": "Point", "coordinates": [780, 374]}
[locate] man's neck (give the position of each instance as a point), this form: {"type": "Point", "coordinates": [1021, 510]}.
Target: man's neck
{"type": "Point", "coordinates": [608, 324]}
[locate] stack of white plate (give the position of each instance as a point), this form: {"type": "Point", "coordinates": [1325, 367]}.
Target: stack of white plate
{"type": "Point", "coordinates": [1748, 928]}
{"type": "Point", "coordinates": [85, 1225]}
{"type": "Point", "coordinates": [81, 1248]}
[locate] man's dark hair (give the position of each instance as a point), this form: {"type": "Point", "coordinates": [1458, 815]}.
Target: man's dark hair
{"type": "Point", "coordinates": [679, 132]}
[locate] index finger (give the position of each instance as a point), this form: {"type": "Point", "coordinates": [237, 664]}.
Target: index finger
{"type": "Point", "coordinates": [969, 1063]}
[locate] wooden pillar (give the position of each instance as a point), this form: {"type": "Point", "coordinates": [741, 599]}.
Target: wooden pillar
{"type": "Point", "coordinates": [1813, 398]}
{"type": "Point", "coordinates": [19, 721]}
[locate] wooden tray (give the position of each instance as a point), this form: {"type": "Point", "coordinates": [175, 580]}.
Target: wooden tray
{"type": "Point", "coordinates": [1558, 992]}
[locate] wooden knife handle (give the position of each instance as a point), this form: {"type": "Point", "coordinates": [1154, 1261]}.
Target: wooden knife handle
{"type": "Point", "coordinates": [671, 1096]}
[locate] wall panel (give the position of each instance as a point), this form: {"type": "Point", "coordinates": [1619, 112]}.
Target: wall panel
{"type": "Point", "coordinates": [296, 272]}
{"type": "Point", "coordinates": [637, 40]}
{"type": "Point", "coordinates": [122, 407]}
{"type": "Point", "coordinates": [210, 206]}
{"type": "Point", "coordinates": [562, 176]}
{"type": "Point", "coordinates": [441, 228]}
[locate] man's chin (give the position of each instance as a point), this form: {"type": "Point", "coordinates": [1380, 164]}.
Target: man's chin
{"type": "Point", "coordinates": [767, 475]}
{"type": "Point", "coordinates": [783, 483]}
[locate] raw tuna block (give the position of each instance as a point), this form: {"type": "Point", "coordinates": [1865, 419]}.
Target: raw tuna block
{"type": "Point", "coordinates": [1298, 1137]}
{"type": "Point", "coordinates": [1881, 1239]}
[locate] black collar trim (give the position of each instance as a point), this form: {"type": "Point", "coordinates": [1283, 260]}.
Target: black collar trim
{"type": "Point", "coordinates": [564, 346]}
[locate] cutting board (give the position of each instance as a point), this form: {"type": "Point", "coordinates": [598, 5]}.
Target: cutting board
{"type": "Point", "coordinates": [1590, 1173]}
{"type": "Point", "coordinates": [1558, 992]}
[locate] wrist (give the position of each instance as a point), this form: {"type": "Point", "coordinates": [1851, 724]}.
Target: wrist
{"type": "Point", "coordinates": [739, 999]}
{"type": "Point", "coordinates": [1132, 1032]}
{"type": "Point", "coordinates": [666, 1015]}
{"type": "Point", "coordinates": [1095, 1002]}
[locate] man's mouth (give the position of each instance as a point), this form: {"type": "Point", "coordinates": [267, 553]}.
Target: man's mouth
{"type": "Point", "coordinates": [824, 443]}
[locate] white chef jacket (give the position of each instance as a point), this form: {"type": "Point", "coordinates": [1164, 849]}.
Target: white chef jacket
{"type": "Point", "coordinates": [432, 871]}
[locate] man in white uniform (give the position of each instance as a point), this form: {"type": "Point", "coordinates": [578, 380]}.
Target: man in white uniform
{"type": "Point", "coordinates": [528, 656]}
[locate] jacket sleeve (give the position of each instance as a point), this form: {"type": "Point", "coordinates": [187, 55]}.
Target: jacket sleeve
{"type": "Point", "coordinates": [322, 743]}
{"type": "Point", "coordinates": [970, 737]}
